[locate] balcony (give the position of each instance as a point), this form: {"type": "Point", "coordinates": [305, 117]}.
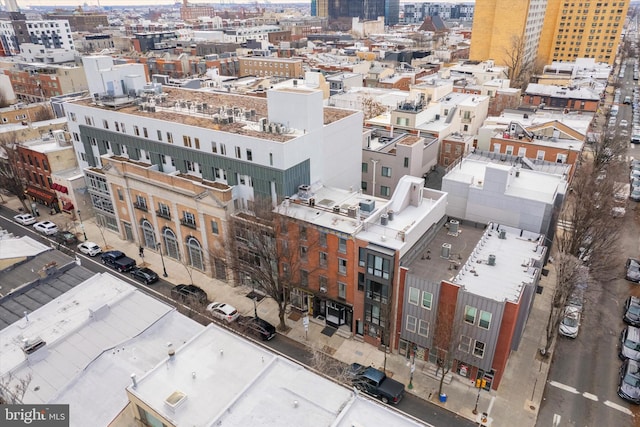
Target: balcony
{"type": "Point", "coordinates": [164, 214]}
{"type": "Point", "coordinates": [187, 223]}
{"type": "Point", "coordinates": [141, 206]}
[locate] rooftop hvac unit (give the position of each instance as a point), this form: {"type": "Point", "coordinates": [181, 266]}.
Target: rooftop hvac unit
{"type": "Point", "coordinates": [391, 214]}
{"type": "Point", "coordinates": [353, 211]}
{"type": "Point", "coordinates": [453, 226]}
{"type": "Point", "coordinates": [492, 260]}
{"type": "Point", "coordinates": [368, 205]}
{"type": "Point", "coordinates": [384, 219]}
{"type": "Point", "coordinates": [502, 234]}
{"type": "Point", "coordinates": [264, 125]}
{"type": "Point", "coordinates": [336, 209]}
{"type": "Point", "coordinates": [445, 250]}
{"type": "Point", "coordinates": [230, 119]}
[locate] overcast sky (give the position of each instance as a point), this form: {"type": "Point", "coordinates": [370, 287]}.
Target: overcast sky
{"type": "Point", "coordinates": [166, 2]}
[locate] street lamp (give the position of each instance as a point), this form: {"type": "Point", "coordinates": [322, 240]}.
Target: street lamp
{"type": "Point", "coordinates": [164, 269]}
{"type": "Point", "coordinates": [82, 226]}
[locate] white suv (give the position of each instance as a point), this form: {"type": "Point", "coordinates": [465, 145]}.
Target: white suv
{"type": "Point", "coordinates": [46, 227]}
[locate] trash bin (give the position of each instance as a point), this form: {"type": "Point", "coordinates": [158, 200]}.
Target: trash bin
{"type": "Point", "coordinates": [443, 398]}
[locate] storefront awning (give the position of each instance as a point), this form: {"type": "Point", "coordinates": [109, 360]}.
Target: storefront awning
{"type": "Point", "coordinates": [43, 195]}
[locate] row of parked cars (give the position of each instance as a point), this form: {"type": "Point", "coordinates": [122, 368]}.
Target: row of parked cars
{"type": "Point", "coordinates": [629, 385]}
{"type": "Point", "coordinates": [118, 260]}
{"type": "Point", "coordinates": [634, 178]}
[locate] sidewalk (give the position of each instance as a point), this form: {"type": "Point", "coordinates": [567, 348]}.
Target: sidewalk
{"type": "Point", "coordinates": [516, 403]}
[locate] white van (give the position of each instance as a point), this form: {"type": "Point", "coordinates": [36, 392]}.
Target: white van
{"type": "Point", "coordinates": [614, 110]}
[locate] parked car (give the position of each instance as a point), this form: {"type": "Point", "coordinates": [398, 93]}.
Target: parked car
{"type": "Point", "coordinates": [66, 238]}
{"type": "Point", "coordinates": [189, 294]}
{"type": "Point", "coordinates": [576, 299]}
{"type": "Point", "coordinates": [629, 386]}
{"type": "Point", "coordinates": [635, 194]}
{"type": "Point", "coordinates": [632, 268]}
{"type": "Point", "coordinates": [46, 227]}
{"type": "Point", "coordinates": [630, 343]}
{"type": "Point", "coordinates": [623, 123]}
{"type": "Point", "coordinates": [632, 311]}
{"type": "Point", "coordinates": [223, 311]}
{"type": "Point", "coordinates": [374, 382]}
{"type": "Point", "coordinates": [144, 274]}
{"type": "Point", "coordinates": [25, 219]}
{"type": "Point", "coordinates": [570, 324]}
{"type": "Point", "coordinates": [258, 327]}
{"type": "Point", "coordinates": [118, 260]}
{"type": "Point", "coordinates": [89, 248]}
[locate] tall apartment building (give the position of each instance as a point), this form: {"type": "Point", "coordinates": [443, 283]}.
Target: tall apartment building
{"type": "Point", "coordinates": [80, 20]}
{"type": "Point", "coordinates": [261, 147]}
{"type": "Point", "coordinates": [550, 30]}
{"type": "Point", "coordinates": [368, 10]}
{"type": "Point", "coordinates": [500, 25]}
{"type": "Point", "coordinates": [590, 30]}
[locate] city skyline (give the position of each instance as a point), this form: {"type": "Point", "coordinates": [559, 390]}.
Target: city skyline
{"type": "Point", "coordinates": [93, 3]}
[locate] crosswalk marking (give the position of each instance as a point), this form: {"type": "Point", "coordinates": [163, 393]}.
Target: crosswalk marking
{"type": "Point", "coordinates": [586, 395]}
{"type": "Point", "coordinates": [618, 407]}
{"type": "Point", "coordinates": [564, 387]}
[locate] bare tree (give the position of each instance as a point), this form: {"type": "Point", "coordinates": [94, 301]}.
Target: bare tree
{"type": "Point", "coordinates": [521, 68]}
{"type": "Point", "coordinates": [446, 340]}
{"type": "Point", "coordinates": [11, 175]}
{"type": "Point", "coordinates": [270, 251]}
{"type": "Point", "coordinates": [324, 363]}
{"type": "Point", "coordinates": [13, 389]}
{"type": "Point", "coordinates": [372, 108]}
{"type": "Point", "coordinates": [585, 244]}
{"type": "Point", "coordinates": [43, 113]}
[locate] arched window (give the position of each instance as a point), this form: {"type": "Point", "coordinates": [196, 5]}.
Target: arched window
{"type": "Point", "coordinates": [195, 253]}
{"type": "Point", "coordinates": [170, 243]}
{"type": "Point", "coordinates": [148, 235]}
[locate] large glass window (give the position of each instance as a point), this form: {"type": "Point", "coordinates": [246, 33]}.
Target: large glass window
{"type": "Point", "coordinates": [470, 314]}
{"type": "Point", "coordinates": [170, 244]}
{"type": "Point", "coordinates": [378, 266]}
{"type": "Point", "coordinates": [427, 299]}
{"type": "Point", "coordinates": [414, 296]}
{"type": "Point", "coordinates": [411, 323]}
{"type": "Point", "coordinates": [485, 319]}
{"type": "Point", "coordinates": [478, 349]}
{"type": "Point", "coordinates": [195, 253]}
{"type": "Point", "coordinates": [148, 235]}
{"type": "Point", "coordinates": [423, 328]}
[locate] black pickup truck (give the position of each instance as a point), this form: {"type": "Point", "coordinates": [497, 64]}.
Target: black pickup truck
{"type": "Point", "coordinates": [118, 260]}
{"type": "Point", "coordinates": [374, 382]}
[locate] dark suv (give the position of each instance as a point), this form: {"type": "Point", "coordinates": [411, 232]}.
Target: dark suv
{"type": "Point", "coordinates": [144, 274]}
{"type": "Point", "coordinates": [66, 238]}
{"type": "Point", "coordinates": [258, 327]}
{"type": "Point", "coordinates": [189, 294]}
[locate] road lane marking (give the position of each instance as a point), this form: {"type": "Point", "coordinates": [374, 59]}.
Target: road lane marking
{"type": "Point", "coordinates": [618, 407]}
{"type": "Point", "coordinates": [564, 387]}
{"type": "Point", "coordinates": [590, 396]}
{"type": "Point", "coordinates": [556, 420]}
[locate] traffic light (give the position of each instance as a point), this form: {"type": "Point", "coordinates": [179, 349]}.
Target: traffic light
{"type": "Point", "coordinates": [478, 382]}
{"type": "Point", "coordinates": [481, 383]}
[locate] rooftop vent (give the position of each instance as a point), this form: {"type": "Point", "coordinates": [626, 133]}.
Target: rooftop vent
{"type": "Point", "coordinates": [492, 260]}
{"type": "Point", "coordinates": [175, 399]}
{"type": "Point", "coordinates": [384, 219]}
{"type": "Point", "coordinates": [445, 250]}
{"type": "Point", "coordinates": [32, 345]}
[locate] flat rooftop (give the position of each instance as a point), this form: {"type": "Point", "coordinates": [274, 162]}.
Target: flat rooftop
{"type": "Point", "coordinates": [532, 185]}
{"type": "Point", "coordinates": [97, 334]}
{"type": "Point", "coordinates": [201, 108]}
{"type": "Point", "coordinates": [466, 262]}
{"type": "Point", "coordinates": [260, 388]}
